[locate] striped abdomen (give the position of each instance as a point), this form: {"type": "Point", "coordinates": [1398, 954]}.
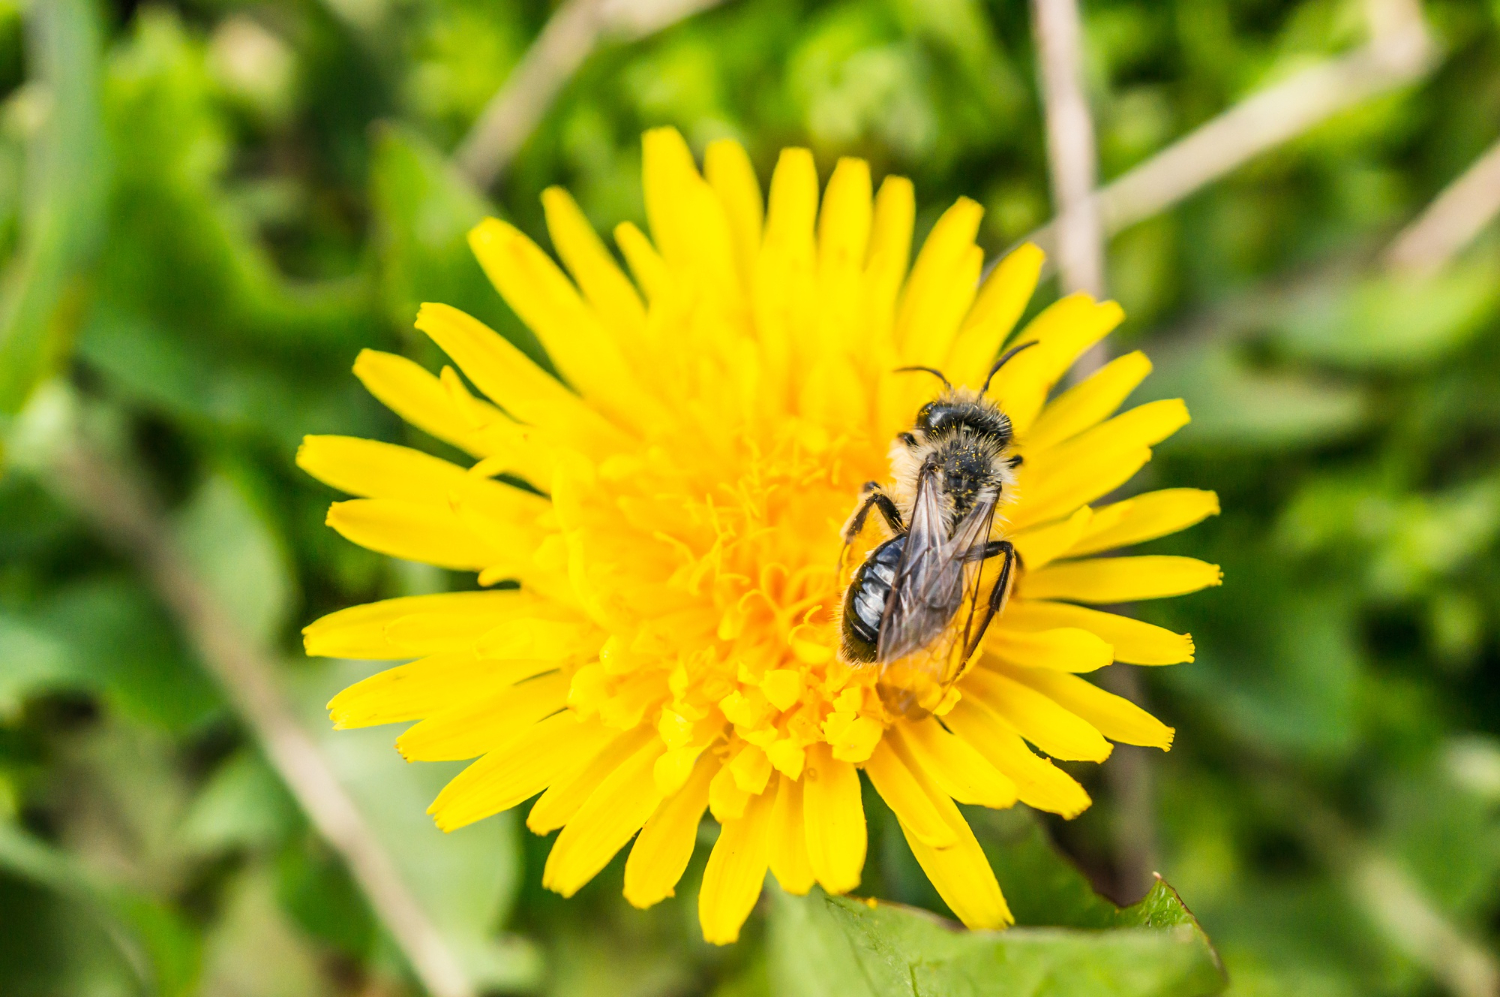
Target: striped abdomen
{"type": "Point", "coordinates": [864, 603]}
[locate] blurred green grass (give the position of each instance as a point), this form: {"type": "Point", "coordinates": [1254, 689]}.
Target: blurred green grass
{"type": "Point", "coordinates": [207, 207]}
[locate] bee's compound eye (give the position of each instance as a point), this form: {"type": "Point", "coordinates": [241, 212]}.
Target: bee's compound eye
{"type": "Point", "coordinates": [935, 416]}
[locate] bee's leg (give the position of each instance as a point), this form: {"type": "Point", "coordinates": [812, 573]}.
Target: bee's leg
{"type": "Point", "coordinates": [874, 498]}
{"type": "Point", "coordinates": [998, 594]}
{"type": "Point", "coordinates": [995, 547]}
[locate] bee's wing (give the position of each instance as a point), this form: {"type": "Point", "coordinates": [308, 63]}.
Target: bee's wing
{"type": "Point", "coordinates": [933, 574]}
{"type": "Point", "coordinates": [968, 546]}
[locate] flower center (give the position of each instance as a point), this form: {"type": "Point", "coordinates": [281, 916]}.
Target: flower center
{"type": "Point", "coordinates": [740, 636]}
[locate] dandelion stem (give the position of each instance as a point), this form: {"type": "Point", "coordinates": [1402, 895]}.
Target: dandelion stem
{"type": "Point", "coordinates": [1458, 214]}
{"type": "Point", "coordinates": [1071, 157]}
{"type": "Point", "coordinates": [1399, 51]}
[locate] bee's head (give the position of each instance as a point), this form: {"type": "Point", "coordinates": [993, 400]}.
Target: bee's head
{"type": "Point", "coordinates": [962, 408]}
{"type": "Point", "coordinates": [952, 412]}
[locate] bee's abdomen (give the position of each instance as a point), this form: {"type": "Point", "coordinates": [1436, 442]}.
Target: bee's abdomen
{"type": "Point", "coordinates": [864, 603]}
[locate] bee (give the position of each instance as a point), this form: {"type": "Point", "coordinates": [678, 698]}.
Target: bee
{"type": "Point", "coordinates": [913, 606]}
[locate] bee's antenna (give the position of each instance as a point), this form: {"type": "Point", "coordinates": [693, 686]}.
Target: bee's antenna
{"type": "Point", "coordinates": [1004, 359]}
{"type": "Point", "coordinates": [929, 370]}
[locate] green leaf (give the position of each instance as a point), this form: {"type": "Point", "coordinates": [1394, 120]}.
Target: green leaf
{"type": "Point", "coordinates": [1236, 405]}
{"type": "Point", "coordinates": [34, 661]}
{"type": "Point", "coordinates": [202, 386]}
{"type": "Point", "coordinates": [840, 947]}
{"type": "Point", "coordinates": [64, 206]}
{"type": "Point", "coordinates": [252, 949]}
{"type": "Point", "coordinates": [1391, 321]}
{"type": "Point", "coordinates": [188, 312]}
{"type": "Point", "coordinates": [153, 938]}
{"type": "Point", "coordinates": [424, 210]}
{"type": "Point", "coordinates": [238, 554]}
{"type": "Point", "coordinates": [1289, 688]}
{"type": "Point", "coordinates": [1041, 886]}
{"type": "Point", "coordinates": [103, 635]}
{"type": "Point", "coordinates": [183, 249]}
{"type": "Point", "coordinates": [244, 804]}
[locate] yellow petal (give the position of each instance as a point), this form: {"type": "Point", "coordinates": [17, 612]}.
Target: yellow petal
{"type": "Point", "coordinates": [570, 789]}
{"type": "Point", "coordinates": [793, 206]}
{"type": "Point", "coordinates": [855, 741]}
{"type": "Point", "coordinates": [426, 687]}
{"type": "Point", "coordinates": [843, 238]}
{"type": "Point", "coordinates": [373, 469]}
{"type": "Point", "coordinates": [788, 757]}
{"type": "Point", "coordinates": [459, 626]}
{"type": "Point", "coordinates": [955, 767]}
{"type": "Point", "coordinates": [665, 845]}
{"type": "Point", "coordinates": [1134, 642]}
{"type": "Point", "coordinates": [736, 871]}
{"type": "Point", "coordinates": [789, 862]}
{"type": "Point", "coordinates": [728, 170]}
{"type": "Point", "coordinates": [614, 811]}
{"type": "Point", "coordinates": [835, 818]}
{"type": "Point", "coordinates": [579, 346]}
{"type": "Point", "coordinates": [1056, 481]}
{"type": "Point", "coordinates": [666, 163]}
{"type": "Point", "coordinates": [1059, 491]}
{"type": "Point", "coordinates": [885, 266]}
{"type": "Point", "coordinates": [505, 516]}
{"type": "Point", "coordinates": [507, 445]}
{"type": "Point", "coordinates": [783, 286]}
{"type": "Point", "coordinates": [476, 726]}
{"type": "Point", "coordinates": [1041, 545]}
{"type": "Point", "coordinates": [1114, 716]}
{"type": "Point", "coordinates": [360, 631]}
{"type": "Point", "coordinates": [431, 534]}
{"type": "Point", "coordinates": [1039, 783]}
{"type": "Point", "coordinates": [1063, 331]}
{"type": "Point", "coordinates": [549, 640]}
{"type": "Point", "coordinates": [1038, 719]}
{"type": "Point", "coordinates": [943, 282]}
{"type": "Point", "coordinates": [960, 872]}
{"type": "Point", "coordinates": [419, 398]}
{"type": "Point", "coordinates": [844, 223]}
{"type": "Point", "coordinates": [1001, 300]}
{"type": "Point", "coordinates": [1143, 426]}
{"type": "Point", "coordinates": [646, 265]}
{"type": "Point", "coordinates": [751, 769]}
{"type": "Point", "coordinates": [1089, 403]}
{"type": "Point", "coordinates": [725, 797]}
{"type": "Point", "coordinates": [614, 298]}
{"type": "Point", "coordinates": [1064, 649]}
{"type": "Point", "coordinates": [518, 771]}
{"type": "Point", "coordinates": [688, 221]}
{"type": "Point", "coordinates": [1145, 517]}
{"type": "Point", "coordinates": [783, 687]}
{"type": "Point", "coordinates": [1122, 579]}
{"type": "Point", "coordinates": [509, 377]}
{"type": "Point", "coordinates": [675, 767]}
{"type": "Point", "coordinates": [904, 792]}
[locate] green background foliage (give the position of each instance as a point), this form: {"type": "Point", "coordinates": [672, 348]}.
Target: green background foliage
{"type": "Point", "coordinates": [208, 207]}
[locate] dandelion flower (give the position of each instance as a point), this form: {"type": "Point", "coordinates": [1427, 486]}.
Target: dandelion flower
{"type": "Point", "coordinates": [671, 644]}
